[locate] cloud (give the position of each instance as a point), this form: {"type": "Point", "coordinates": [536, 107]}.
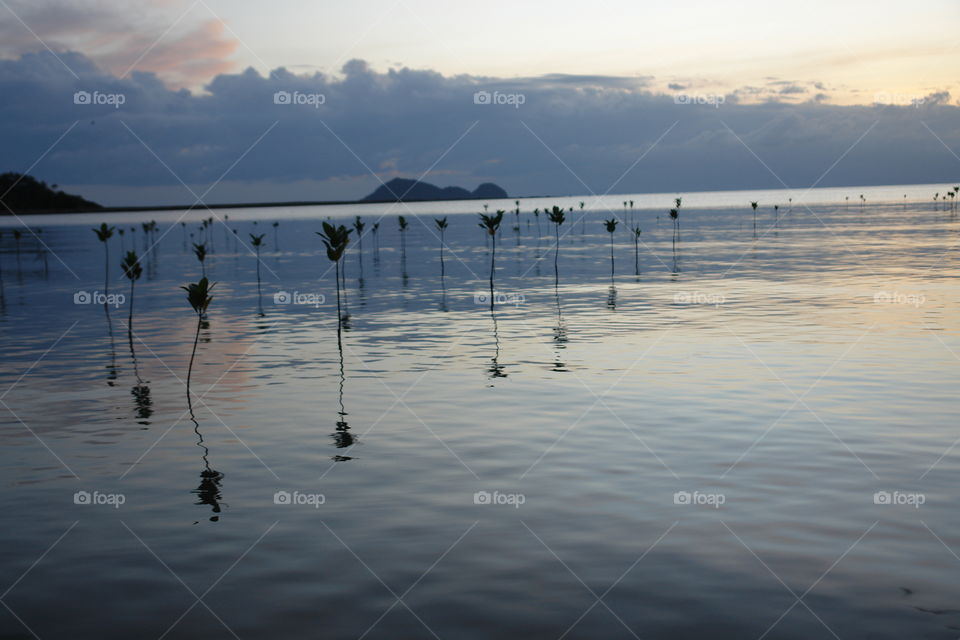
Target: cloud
{"type": "Point", "coordinates": [315, 136]}
{"type": "Point", "coordinates": [791, 89]}
{"type": "Point", "coordinates": [182, 43]}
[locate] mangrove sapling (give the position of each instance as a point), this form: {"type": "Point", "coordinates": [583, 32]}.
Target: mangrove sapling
{"type": "Point", "coordinates": [557, 218]}
{"type": "Point", "coordinates": [132, 270]}
{"type": "Point", "coordinates": [611, 226]}
{"type": "Point", "coordinates": [403, 233]}
{"type": "Point", "coordinates": [257, 242]}
{"type": "Point", "coordinates": [754, 205]}
{"type": "Point", "coordinates": [636, 249]}
{"type": "Point", "coordinates": [104, 233]}
{"type": "Point", "coordinates": [141, 393]}
{"type": "Point", "coordinates": [200, 250]}
{"type": "Point", "coordinates": [441, 227]}
{"type": "Point", "coordinates": [335, 239]}
{"type": "Point", "coordinates": [359, 225]}
{"type": "Point", "coordinates": [276, 239]}
{"type": "Point", "coordinates": [198, 295]}
{"type": "Point", "coordinates": [675, 216]}
{"type": "Point", "coordinates": [491, 224]}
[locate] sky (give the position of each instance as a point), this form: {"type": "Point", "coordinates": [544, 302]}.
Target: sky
{"type": "Point", "coordinates": [641, 95]}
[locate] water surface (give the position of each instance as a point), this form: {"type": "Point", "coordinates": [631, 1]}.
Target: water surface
{"type": "Point", "coordinates": [789, 373]}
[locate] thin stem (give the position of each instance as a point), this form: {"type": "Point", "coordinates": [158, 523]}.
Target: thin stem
{"type": "Point", "coordinates": [556, 257]}
{"type": "Point", "coordinates": [442, 269]}
{"type": "Point", "coordinates": [636, 254]}
{"type": "Point", "coordinates": [259, 297]}
{"type": "Point", "coordinates": [337, 274]}
{"type": "Point", "coordinates": [196, 338]}
{"type": "Point", "coordinates": [611, 255]}
{"type": "Point", "coordinates": [493, 258]}
{"type": "Point", "coordinates": [106, 269]}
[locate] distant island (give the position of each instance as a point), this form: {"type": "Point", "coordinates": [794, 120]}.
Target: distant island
{"type": "Point", "coordinates": [404, 190]}
{"type": "Point", "coordinates": [26, 194]}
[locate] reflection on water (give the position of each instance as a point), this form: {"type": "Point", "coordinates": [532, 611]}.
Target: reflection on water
{"type": "Point", "coordinates": [209, 491]}
{"type": "Point", "coordinates": [342, 438]}
{"type": "Point", "coordinates": [797, 374]}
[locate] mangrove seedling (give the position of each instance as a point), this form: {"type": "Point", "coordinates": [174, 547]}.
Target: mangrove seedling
{"type": "Point", "coordinates": [636, 249]}
{"type": "Point", "coordinates": [335, 239]}
{"type": "Point", "coordinates": [611, 226]}
{"type": "Point", "coordinates": [441, 227]}
{"type": "Point", "coordinates": [359, 225]}
{"type": "Point", "coordinates": [491, 223]}
{"type": "Point", "coordinates": [132, 270]}
{"type": "Point", "coordinates": [403, 231]}
{"type": "Point", "coordinates": [200, 250]}
{"type": "Point", "coordinates": [557, 218]}
{"type": "Point", "coordinates": [198, 295]}
{"type": "Point", "coordinates": [104, 233]}
{"type": "Point", "coordinates": [257, 242]}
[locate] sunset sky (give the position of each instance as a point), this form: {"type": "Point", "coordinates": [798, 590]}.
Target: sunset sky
{"type": "Point", "coordinates": [784, 71]}
{"type": "Point", "coordinates": [854, 48]}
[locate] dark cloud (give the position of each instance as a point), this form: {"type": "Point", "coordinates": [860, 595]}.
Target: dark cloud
{"type": "Point", "coordinates": [518, 133]}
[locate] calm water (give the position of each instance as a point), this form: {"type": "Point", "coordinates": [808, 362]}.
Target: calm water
{"type": "Point", "coordinates": [695, 449]}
